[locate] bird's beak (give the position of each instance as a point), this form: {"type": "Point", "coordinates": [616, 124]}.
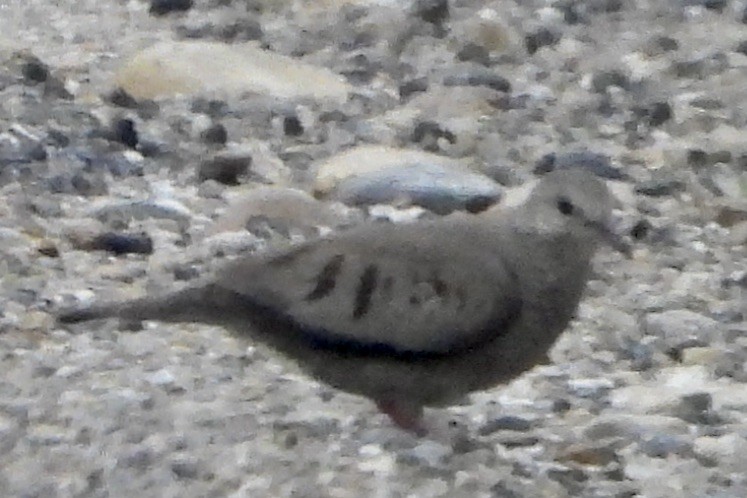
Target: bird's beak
{"type": "Point", "coordinates": [612, 238]}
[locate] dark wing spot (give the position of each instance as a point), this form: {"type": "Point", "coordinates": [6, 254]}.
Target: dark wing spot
{"type": "Point", "coordinates": [439, 286]}
{"type": "Point", "coordinates": [414, 300]}
{"type": "Point", "coordinates": [365, 290]}
{"type": "Point", "coordinates": [327, 278]}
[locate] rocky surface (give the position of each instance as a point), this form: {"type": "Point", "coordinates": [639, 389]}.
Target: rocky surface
{"type": "Point", "coordinates": [105, 193]}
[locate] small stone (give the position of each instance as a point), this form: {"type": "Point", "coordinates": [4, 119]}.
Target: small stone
{"type": "Point", "coordinates": [471, 52]}
{"type": "Point", "coordinates": [34, 70]}
{"type": "Point", "coordinates": [604, 79]}
{"type": "Point", "coordinates": [225, 168]}
{"type": "Point", "coordinates": [478, 76]}
{"type": "Point", "coordinates": [731, 213]}
{"type": "Point", "coordinates": [597, 163]}
{"type": "Point", "coordinates": [641, 229]}
{"type": "Point", "coordinates": [196, 67]}
{"type": "Point", "coordinates": [410, 87]}
{"type": "Point", "coordinates": [717, 5]}
{"type": "Point", "coordinates": [543, 37]}
{"type": "Point", "coordinates": [432, 11]}
{"type": "Point", "coordinates": [655, 114]}
{"type": "Point", "coordinates": [431, 186]}
{"type": "Point", "coordinates": [184, 468]}
{"type": "Point", "coordinates": [598, 454]}
{"type": "Point", "coordinates": [663, 445]}
{"type": "Point", "coordinates": [215, 134]}
{"type": "Point", "coordinates": [695, 408]}
{"type": "Point", "coordinates": [48, 248]}
{"type": "Point", "coordinates": [659, 45]}
{"type": "Point", "coordinates": [680, 328]}
{"type": "Point", "coordinates": [659, 187]}
{"type": "Point", "coordinates": [123, 131]}
{"type": "Point", "coordinates": [506, 423]}
{"type": "Point", "coordinates": [186, 272]}
{"type": "Point", "coordinates": [163, 7]}
{"type": "Point", "coordinates": [121, 98]}
{"type": "Point", "coordinates": [428, 133]}
{"type": "Point", "coordinates": [292, 126]}
{"type": "Point", "coordinates": [118, 243]}
{"type": "Point", "coordinates": [123, 212]}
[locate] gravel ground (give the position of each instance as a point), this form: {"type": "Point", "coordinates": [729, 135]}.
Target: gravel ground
{"type": "Point", "coordinates": [105, 196]}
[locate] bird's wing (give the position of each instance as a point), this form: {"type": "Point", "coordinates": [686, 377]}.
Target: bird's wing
{"type": "Point", "coordinates": [385, 289]}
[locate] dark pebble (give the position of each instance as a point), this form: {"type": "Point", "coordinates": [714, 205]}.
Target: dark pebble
{"type": "Point", "coordinates": [597, 163]}
{"type": "Point", "coordinates": [640, 230]}
{"type": "Point", "coordinates": [413, 86]}
{"type": "Point", "coordinates": [543, 37]}
{"type": "Point", "coordinates": [185, 469]}
{"type": "Point", "coordinates": [225, 169]}
{"type": "Point", "coordinates": [186, 272]}
{"type": "Point", "coordinates": [123, 243]}
{"type": "Point", "coordinates": [472, 52]}
{"type": "Point", "coordinates": [163, 7]}
{"type": "Point", "coordinates": [662, 44]}
{"type": "Point", "coordinates": [34, 70]}
{"type": "Point", "coordinates": [427, 133]}
{"type": "Point", "coordinates": [602, 80]}
{"type": "Point", "coordinates": [478, 76]}
{"type": "Point", "coordinates": [213, 108]}
{"type": "Point", "coordinates": [292, 126]}
{"type": "Point", "coordinates": [124, 132]}
{"type": "Point", "coordinates": [695, 408]}
{"type": "Point", "coordinates": [659, 187]}
{"type": "Point", "coordinates": [432, 11]}
{"type": "Point", "coordinates": [655, 114]}
{"type": "Point", "coordinates": [216, 134]}
{"type": "Point", "coordinates": [506, 423]}
{"type": "Point", "coordinates": [717, 5]}
{"type": "Point", "coordinates": [121, 98]}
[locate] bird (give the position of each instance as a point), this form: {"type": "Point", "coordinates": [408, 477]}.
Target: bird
{"type": "Point", "coordinates": [410, 315]}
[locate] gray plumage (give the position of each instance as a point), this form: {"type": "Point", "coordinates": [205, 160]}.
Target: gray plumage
{"type": "Point", "coordinates": [411, 315]}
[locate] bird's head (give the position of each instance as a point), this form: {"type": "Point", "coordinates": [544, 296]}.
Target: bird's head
{"type": "Point", "coordinates": [573, 204]}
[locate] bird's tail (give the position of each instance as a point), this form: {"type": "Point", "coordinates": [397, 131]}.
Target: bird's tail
{"type": "Point", "coordinates": [195, 304]}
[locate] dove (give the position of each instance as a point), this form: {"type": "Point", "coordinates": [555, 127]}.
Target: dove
{"type": "Point", "coordinates": [410, 315]}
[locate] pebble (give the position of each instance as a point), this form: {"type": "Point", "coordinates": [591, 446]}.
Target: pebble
{"type": "Point", "coordinates": [599, 164]}
{"type": "Point", "coordinates": [225, 168]}
{"type": "Point", "coordinates": [431, 186]}
{"type": "Point", "coordinates": [201, 67]}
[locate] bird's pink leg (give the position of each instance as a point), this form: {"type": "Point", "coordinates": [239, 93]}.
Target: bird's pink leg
{"type": "Point", "coordinates": [406, 416]}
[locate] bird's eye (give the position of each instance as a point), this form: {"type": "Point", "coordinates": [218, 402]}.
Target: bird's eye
{"type": "Point", "coordinates": [565, 206]}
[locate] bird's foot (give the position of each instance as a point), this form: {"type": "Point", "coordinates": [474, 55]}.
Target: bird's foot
{"type": "Point", "coordinates": [406, 416]}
